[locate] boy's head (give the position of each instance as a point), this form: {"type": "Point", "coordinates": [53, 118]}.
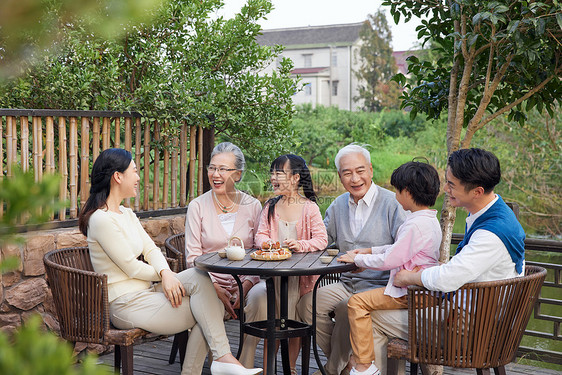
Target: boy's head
{"type": "Point", "coordinates": [421, 180]}
{"type": "Point", "coordinates": [475, 167]}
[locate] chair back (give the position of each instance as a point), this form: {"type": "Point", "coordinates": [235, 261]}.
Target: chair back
{"type": "Point", "coordinates": [80, 295]}
{"type": "Point", "coordinates": [175, 248]}
{"type": "Point", "coordinates": [478, 326]}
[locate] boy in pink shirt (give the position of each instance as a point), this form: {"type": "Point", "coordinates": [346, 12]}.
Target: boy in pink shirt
{"type": "Point", "coordinates": [416, 246]}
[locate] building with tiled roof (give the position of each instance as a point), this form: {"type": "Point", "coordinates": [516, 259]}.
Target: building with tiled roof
{"type": "Point", "coordinates": [325, 58]}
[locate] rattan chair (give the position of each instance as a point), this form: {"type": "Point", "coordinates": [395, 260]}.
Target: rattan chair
{"type": "Point", "coordinates": [175, 248]}
{"type": "Point", "coordinates": [81, 301]}
{"type": "Point", "coordinates": [479, 326]}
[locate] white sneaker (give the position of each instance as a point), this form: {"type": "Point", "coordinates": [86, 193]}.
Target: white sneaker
{"type": "Point", "coordinates": [372, 370]}
{"type": "Point", "coordinates": [220, 368]}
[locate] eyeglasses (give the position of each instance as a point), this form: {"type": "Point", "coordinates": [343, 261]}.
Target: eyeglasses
{"type": "Point", "coordinates": [222, 170]}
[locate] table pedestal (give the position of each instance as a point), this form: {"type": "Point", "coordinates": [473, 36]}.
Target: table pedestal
{"type": "Point", "coordinates": [281, 329]}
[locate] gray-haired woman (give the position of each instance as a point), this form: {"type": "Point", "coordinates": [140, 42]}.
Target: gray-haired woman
{"type": "Point", "coordinates": [212, 219]}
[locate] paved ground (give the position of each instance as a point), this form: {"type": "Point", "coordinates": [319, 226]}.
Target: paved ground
{"type": "Point", "coordinates": [152, 358]}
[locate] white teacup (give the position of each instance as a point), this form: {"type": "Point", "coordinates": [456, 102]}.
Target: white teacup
{"type": "Point", "coordinates": [235, 252]}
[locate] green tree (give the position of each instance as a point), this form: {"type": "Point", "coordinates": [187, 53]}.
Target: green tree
{"type": "Point", "coordinates": [498, 57]}
{"type": "Point", "coordinates": [376, 90]}
{"type": "Point", "coordinates": [186, 65]}
{"type": "Point", "coordinates": [28, 27]}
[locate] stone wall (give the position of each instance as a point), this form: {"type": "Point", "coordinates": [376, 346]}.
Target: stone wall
{"type": "Point", "coordinates": [24, 291]}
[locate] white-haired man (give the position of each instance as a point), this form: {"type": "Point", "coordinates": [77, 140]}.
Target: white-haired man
{"type": "Point", "coordinates": [366, 216]}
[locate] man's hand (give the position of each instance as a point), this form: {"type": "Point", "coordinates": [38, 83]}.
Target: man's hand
{"type": "Point", "coordinates": [405, 278]}
{"type": "Point", "coordinates": [172, 287]}
{"type": "Point", "coordinates": [224, 295]}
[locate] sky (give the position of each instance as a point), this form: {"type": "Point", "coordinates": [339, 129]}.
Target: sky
{"type": "Point", "coordinates": [294, 13]}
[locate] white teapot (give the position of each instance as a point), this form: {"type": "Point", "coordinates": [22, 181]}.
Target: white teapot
{"type": "Point", "coordinates": [235, 252]}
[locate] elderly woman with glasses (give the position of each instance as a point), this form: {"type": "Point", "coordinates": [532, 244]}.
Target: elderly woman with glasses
{"type": "Point", "coordinates": [212, 219]}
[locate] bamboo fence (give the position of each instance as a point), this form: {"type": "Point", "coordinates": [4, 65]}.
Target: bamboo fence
{"type": "Point", "coordinates": [68, 142]}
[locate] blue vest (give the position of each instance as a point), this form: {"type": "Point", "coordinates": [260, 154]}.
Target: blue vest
{"type": "Point", "coordinates": [500, 220]}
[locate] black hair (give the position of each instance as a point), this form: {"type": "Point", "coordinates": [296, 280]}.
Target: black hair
{"type": "Point", "coordinates": [475, 167]}
{"type": "Point", "coordinates": [421, 180]}
{"type": "Point", "coordinates": [297, 165]}
{"type": "Point", "coordinates": [108, 162]}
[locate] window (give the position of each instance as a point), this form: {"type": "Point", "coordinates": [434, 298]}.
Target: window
{"type": "Point", "coordinates": [335, 88]}
{"type": "Point", "coordinates": [334, 58]}
{"type": "Point", "coordinates": [308, 89]}
{"type": "Point", "coordinates": [307, 60]}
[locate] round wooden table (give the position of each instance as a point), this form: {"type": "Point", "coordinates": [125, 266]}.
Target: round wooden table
{"type": "Point", "coordinates": [272, 329]}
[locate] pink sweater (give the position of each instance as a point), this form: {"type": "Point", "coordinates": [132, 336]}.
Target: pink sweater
{"type": "Point", "coordinates": [311, 235]}
{"type": "Point", "coordinates": [417, 245]}
{"type": "Point", "coordinates": [204, 233]}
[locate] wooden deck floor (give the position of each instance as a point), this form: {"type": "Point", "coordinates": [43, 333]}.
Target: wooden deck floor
{"type": "Point", "coordinates": [152, 358]}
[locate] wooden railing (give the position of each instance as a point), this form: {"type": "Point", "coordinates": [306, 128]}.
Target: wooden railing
{"type": "Point", "coordinates": [68, 142]}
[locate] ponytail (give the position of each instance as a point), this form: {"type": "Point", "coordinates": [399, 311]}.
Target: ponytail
{"type": "Point", "coordinates": [297, 166]}
{"type": "Point", "coordinates": [108, 162]}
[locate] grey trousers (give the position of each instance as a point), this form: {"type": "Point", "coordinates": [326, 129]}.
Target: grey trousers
{"type": "Point", "coordinates": [332, 337]}
{"type": "Point", "coordinates": [201, 310]}
{"type": "Point", "coordinates": [388, 323]}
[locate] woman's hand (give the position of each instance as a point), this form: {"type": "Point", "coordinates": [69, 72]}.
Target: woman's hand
{"type": "Point", "coordinates": [224, 295]}
{"type": "Point", "coordinates": [246, 286]}
{"type": "Point", "coordinates": [293, 245]}
{"type": "Point", "coordinates": [172, 287]}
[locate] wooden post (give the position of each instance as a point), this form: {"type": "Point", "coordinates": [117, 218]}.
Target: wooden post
{"type": "Point", "coordinates": [192, 161]}
{"type": "Point", "coordinates": [63, 169]}
{"type": "Point", "coordinates": [166, 179]}
{"type": "Point", "coordinates": [128, 147]}
{"type": "Point", "coordinates": [73, 172]}
{"type": "Point", "coordinates": [200, 163]}
{"type": "Point", "coordinates": [39, 123]}
{"type": "Point", "coordinates": [117, 140]}
{"type": "Point", "coordinates": [1, 163]}
{"type": "Point", "coordinates": [137, 158]}
{"type": "Point", "coordinates": [174, 173]}
{"type": "Point", "coordinates": [96, 139]}
{"type": "Point", "coordinates": [15, 140]}
{"type": "Point", "coordinates": [105, 135]}
{"type": "Point", "coordinates": [146, 164]}
{"type": "Point", "coordinates": [24, 124]}
{"type": "Point", "coordinates": [183, 164]}
{"type": "Point", "coordinates": [36, 140]}
{"type": "Point", "coordinates": [156, 170]}
{"type": "Point", "coordinates": [50, 146]}
{"type": "Point", "coordinates": [128, 135]}
{"type": "Point", "coordinates": [50, 167]}
{"type": "Point", "coordinates": [9, 146]}
{"type": "Point", "coordinates": [85, 161]}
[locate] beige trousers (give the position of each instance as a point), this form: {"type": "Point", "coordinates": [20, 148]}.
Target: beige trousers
{"type": "Point", "coordinates": [200, 310]}
{"type": "Point", "coordinates": [255, 309]}
{"type": "Point", "coordinates": [359, 308]}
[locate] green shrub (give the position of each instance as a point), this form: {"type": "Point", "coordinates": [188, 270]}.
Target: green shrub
{"type": "Point", "coordinates": [30, 351]}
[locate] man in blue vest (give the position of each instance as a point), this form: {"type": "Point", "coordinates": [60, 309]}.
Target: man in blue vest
{"type": "Point", "coordinates": [492, 248]}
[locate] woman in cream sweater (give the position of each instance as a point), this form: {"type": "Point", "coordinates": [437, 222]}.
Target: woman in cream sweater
{"type": "Point", "coordinates": [147, 295]}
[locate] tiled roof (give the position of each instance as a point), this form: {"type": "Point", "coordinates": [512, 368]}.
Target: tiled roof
{"type": "Point", "coordinates": [400, 59]}
{"type": "Point", "coordinates": [345, 34]}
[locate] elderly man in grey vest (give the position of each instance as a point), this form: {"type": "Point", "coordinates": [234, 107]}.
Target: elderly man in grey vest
{"type": "Point", "coordinates": [366, 216]}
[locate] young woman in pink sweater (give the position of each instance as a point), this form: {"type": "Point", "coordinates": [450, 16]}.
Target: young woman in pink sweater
{"type": "Point", "coordinates": [295, 221]}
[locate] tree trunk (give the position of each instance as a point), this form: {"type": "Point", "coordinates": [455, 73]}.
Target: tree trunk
{"type": "Point", "coordinates": [448, 215]}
